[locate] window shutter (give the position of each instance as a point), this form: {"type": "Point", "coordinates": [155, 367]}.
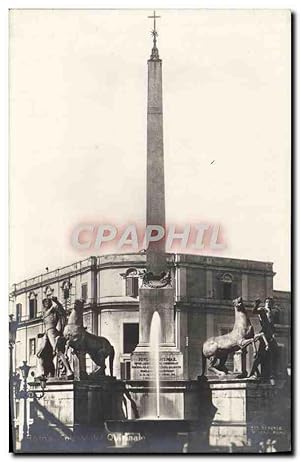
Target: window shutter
{"type": "Point", "coordinates": [135, 287]}
{"type": "Point", "coordinates": [129, 287]}
{"type": "Point", "coordinates": [32, 308]}
{"type": "Point", "coordinates": [84, 291]}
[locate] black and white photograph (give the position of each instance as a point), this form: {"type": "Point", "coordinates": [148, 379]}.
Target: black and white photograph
{"type": "Point", "coordinates": [150, 231]}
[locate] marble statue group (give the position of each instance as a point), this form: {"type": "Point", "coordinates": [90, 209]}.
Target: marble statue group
{"type": "Point", "coordinates": [64, 333]}
{"type": "Point", "coordinates": [216, 350]}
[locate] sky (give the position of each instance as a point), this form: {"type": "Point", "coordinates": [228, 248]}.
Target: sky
{"type": "Point", "coordinates": [78, 95]}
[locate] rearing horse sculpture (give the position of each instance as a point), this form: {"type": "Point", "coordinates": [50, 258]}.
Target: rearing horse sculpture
{"type": "Point", "coordinates": [98, 348]}
{"type": "Point", "coordinates": [217, 349]}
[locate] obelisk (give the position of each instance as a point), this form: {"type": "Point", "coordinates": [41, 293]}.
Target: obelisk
{"type": "Point", "coordinates": [155, 157]}
{"type": "Point", "coordinates": [157, 293]}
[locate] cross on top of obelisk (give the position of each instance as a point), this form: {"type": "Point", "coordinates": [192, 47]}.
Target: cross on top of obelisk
{"type": "Point", "coordinates": [154, 33]}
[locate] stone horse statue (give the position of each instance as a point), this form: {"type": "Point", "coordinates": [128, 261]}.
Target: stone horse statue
{"type": "Point", "coordinates": [217, 349]}
{"type": "Point", "coordinates": [98, 348]}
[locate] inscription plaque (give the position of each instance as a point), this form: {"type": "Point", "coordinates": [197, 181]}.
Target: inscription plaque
{"type": "Point", "coordinates": [170, 366]}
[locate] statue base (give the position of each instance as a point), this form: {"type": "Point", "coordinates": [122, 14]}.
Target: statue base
{"type": "Point", "coordinates": [248, 413]}
{"type": "Point", "coordinates": [199, 416]}
{"type": "Point", "coordinates": [107, 416]}
{"type": "Point", "coordinates": [70, 415]}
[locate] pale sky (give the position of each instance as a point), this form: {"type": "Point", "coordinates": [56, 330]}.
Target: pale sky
{"type": "Point", "coordinates": [78, 94]}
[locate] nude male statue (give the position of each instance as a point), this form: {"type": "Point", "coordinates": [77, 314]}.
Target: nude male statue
{"type": "Point", "coordinates": [53, 342]}
{"type": "Point", "coordinates": [268, 348]}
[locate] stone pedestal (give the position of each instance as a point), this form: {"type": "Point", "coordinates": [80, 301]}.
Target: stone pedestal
{"type": "Point", "coordinates": [248, 412]}
{"type": "Point", "coordinates": [205, 416]}
{"type": "Point", "coordinates": [161, 300]}
{"type": "Point", "coordinates": [71, 413]}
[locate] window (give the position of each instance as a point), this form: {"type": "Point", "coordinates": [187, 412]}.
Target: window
{"type": "Point", "coordinates": [66, 293]}
{"type": "Point", "coordinates": [227, 290]}
{"type": "Point", "coordinates": [32, 346]}
{"type": "Point", "coordinates": [18, 311]}
{"type": "Point", "coordinates": [226, 281]}
{"type": "Point", "coordinates": [132, 287]}
{"type": "Point", "coordinates": [84, 290]}
{"type": "Point", "coordinates": [66, 289]}
{"type": "Point", "coordinates": [130, 337]}
{"type": "Point", "coordinates": [32, 308]}
{"type": "Point", "coordinates": [125, 370]}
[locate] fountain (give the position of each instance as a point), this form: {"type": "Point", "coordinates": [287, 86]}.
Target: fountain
{"type": "Point", "coordinates": [163, 406]}
{"type": "Point", "coordinates": [167, 412]}
{"type": "Point", "coordinates": [169, 403]}
{"type": "Point", "coordinates": [155, 339]}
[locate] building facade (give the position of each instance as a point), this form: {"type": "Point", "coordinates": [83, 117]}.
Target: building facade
{"type": "Point", "coordinates": [205, 287]}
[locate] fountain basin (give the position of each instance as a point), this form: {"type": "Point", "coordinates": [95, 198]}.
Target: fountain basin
{"type": "Point", "coordinates": [153, 426]}
{"type": "Point", "coordinates": [154, 436]}
{"type": "Point", "coordinates": [179, 399]}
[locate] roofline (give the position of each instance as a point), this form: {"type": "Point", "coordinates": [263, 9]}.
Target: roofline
{"type": "Point", "coordinates": [87, 263]}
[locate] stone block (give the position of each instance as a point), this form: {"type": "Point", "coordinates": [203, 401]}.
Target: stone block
{"type": "Point", "coordinates": [244, 405]}
{"type": "Point", "coordinates": [161, 300]}
{"type": "Point", "coordinates": [71, 404]}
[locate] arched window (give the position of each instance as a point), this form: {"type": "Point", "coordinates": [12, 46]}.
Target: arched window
{"type": "Point", "coordinates": [226, 281]}
{"type": "Point", "coordinates": [132, 287]}
{"type": "Point", "coordinates": [131, 277]}
{"type": "Point", "coordinates": [66, 287]}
